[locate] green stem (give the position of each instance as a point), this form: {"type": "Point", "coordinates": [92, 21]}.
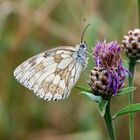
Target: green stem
{"type": "Point", "coordinates": [132, 65]}
{"type": "Point", "coordinates": [139, 12]}
{"type": "Point", "coordinates": [109, 123]}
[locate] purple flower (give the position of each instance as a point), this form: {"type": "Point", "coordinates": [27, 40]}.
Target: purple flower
{"type": "Point", "coordinates": [107, 55]}
{"type": "Point", "coordinates": [107, 78]}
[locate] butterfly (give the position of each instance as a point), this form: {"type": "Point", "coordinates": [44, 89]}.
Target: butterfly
{"type": "Point", "coordinates": [52, 74]}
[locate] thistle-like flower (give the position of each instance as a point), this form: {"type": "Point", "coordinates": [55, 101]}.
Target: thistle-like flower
{"type": "Point", "coordinates": [107, 77]}
{"type": "Point", "coordinates": [131, 44]}
{"type": "Point", "coordinates": [107, 55]}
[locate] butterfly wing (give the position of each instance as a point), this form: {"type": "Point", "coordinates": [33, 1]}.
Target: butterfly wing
{"type": "Point", "coordinates": [52, 74]}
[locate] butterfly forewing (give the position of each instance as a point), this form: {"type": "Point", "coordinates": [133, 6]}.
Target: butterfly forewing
{"type": "Point", "coordinates": [52, 74]}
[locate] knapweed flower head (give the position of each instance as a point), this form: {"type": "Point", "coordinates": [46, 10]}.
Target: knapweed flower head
{"type": "Point", "coordinates": [107, 55]}
{"type": "Point", "coordinates": [108, 75]}
{"type": "Point", "coordinates": [131, 44]}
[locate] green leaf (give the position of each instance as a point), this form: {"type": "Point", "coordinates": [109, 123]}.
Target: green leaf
{"type": "Point", "coordinates": [83, 89]}
{"type": "Point", "coordinates": [129, 109]}
{"type": "Point", "coordinates": [126, 90]}
{"type": "Point", "coordinates": [91, 96]}
{"type": "Point", "coordinates": [102, 107]}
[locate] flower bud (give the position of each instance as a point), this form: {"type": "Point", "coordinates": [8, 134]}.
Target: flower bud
{"type": "Point", "coordinates": [131, 44]}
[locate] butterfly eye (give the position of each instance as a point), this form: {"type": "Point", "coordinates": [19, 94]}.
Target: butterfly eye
{"type": "Point", "coordinates": [82, 46]}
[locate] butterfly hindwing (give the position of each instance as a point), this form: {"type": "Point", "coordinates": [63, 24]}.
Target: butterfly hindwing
{"type": "Point", "coordinates": [51, 75]}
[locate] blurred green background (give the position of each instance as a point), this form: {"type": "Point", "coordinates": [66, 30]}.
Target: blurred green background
{"type": "Point", "coordinates": [28, 27]}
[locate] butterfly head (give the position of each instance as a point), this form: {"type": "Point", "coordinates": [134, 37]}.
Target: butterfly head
{"type": "Point", "coordinates": [82, 47]}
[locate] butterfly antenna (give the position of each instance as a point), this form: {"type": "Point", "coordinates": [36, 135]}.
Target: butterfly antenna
{"type": "Point", "coordinates": [84, 32]}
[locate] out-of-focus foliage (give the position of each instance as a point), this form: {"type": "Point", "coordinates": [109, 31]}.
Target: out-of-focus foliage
{"type": "Point", "coordinates": [28, 27]}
